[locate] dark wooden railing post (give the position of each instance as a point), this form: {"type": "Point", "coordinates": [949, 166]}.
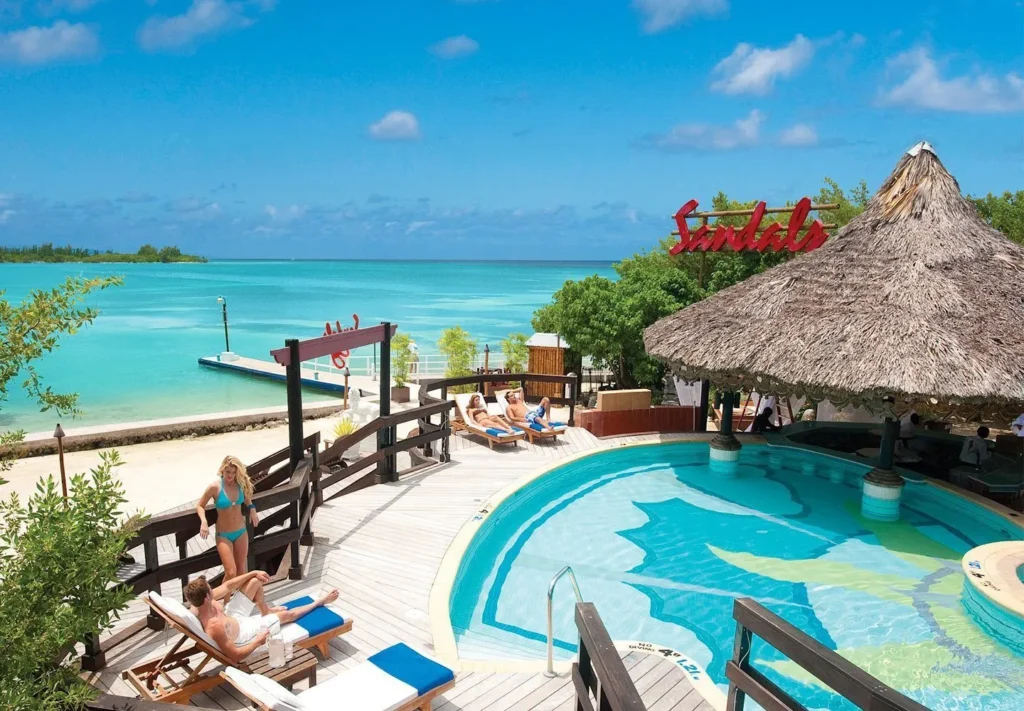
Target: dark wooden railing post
{"type": "Point", "coordinates": [741, 657]}
{"type": "Point", "coordinates": [384, 466]}
{"type": "Point", "coordinates": [250, 559]}
{"type": "Point", "coordinates": [293, 381]}
{"type": "Point", "coordinates": [445, 443]}
{"type": "Point", "coordinates": [182, 555]}
{"type": "Point", "coordinates": [295, 569]}
{"type": "Point", "coordinates": [94, 658]}
{"type": "Point", "coordinates": [306, 536]}
{"type": "Point", "coordinates": [153, 620]}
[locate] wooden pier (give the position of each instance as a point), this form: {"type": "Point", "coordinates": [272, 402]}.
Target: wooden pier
{"type": "Point", "coordinates": [325, 381]}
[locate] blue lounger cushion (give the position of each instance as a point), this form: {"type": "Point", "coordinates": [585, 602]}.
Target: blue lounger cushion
{"type": "Point", "coordinates": [495, 432]}
{"type": "Point", "coordinates": [320, 620]}
{"type": "Point", "coordinates": [411, 667]}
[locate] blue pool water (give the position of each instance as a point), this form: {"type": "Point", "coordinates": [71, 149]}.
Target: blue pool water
{"type": "Point", "coordinates": [138, 361]}
{"type": "Point", "coordinates": [663, 546]}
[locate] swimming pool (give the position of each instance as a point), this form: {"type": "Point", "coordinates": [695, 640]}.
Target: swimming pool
{"type": "Point", "coordinates": [662, 546]}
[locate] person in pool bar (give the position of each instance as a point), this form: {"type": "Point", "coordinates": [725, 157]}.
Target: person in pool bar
{"type": "Point", "coordinates": [232, 495]}
{"type": "Point", "coordinates": [524, 417]}
{"type": "Point", "coordinates": [477, 411]}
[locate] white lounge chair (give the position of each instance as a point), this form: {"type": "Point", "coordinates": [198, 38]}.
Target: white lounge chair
{"type": "Point", "coordinates": [491, 434]}
{"type": "Point", "coordinates": [534, 431]}
{"type": "Point", "coordinates": [154, 680]}
{"type": "Point", "coordinates": [396, 679]}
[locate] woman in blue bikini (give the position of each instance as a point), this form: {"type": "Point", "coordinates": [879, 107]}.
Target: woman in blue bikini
{"type": "Point", "coordinates": [232, 495]}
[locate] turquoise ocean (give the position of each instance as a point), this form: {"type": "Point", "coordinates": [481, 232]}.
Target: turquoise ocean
{"type": "Point", "coordinates": [139, 359]}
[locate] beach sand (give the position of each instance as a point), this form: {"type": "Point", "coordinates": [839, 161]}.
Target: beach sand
{"type": "Point", "coordinates": [158, 476]}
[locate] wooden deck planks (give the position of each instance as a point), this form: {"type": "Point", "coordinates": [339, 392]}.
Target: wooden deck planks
{"type": "Point", "coordinates": [381, 547]}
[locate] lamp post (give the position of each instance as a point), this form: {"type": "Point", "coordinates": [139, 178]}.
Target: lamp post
{"type": "Point", "coordinates": [224, 309]}
{"type": "Point", "coordinates": [59, 435]}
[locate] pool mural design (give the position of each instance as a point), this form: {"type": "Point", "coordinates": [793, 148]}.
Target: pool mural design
{"type": "Point", "coordinates": [663, 547]}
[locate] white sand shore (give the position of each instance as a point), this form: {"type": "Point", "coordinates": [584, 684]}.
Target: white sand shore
{"type": "Point", "coordinates": [158, 476]}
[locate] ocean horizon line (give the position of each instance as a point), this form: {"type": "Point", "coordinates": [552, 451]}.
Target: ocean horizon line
{"type": "Point", "coordinates": [602, 262]}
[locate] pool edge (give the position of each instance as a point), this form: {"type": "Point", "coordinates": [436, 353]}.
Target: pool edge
{"type": "Point", "coordinates": [445, 648]}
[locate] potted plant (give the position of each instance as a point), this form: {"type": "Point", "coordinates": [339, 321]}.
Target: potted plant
{"type": "Point", "coordinates": [401, 359]}
{"type": "Point", "coordinates": [342, 429]}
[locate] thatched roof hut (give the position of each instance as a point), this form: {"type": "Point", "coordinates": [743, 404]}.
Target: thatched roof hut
{"type": "Point", "coordinates": [917, 298]}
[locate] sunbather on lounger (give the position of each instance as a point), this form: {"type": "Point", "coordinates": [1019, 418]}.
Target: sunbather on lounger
{"type": "Point", "coordinates": [232, 626]}
{"type": "Point", "coordinates": [478, 412]}
{"type": "Point", "coordinates": [525, 417]}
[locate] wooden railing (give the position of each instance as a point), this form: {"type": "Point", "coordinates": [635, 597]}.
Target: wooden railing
{"type": "Point", "coordinates": [429, 389]}
{"type": "Point", "coordinates": [601, 680]}
{"type": "Point", "coordinates": [846, 679]}
{"type": "Point", "coordinates": [284, 497]}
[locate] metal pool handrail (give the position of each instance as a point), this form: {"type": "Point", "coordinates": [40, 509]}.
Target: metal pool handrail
{"type": "Point", "coordinates": [551, 592]}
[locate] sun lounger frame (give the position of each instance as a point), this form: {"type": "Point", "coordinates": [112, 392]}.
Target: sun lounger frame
{"type": "Point", "coordinates": [532, 434]}
{"type": "Point", "coordinates": [459, 424]}
{"type": "Point", "coordinates": [145, 677]}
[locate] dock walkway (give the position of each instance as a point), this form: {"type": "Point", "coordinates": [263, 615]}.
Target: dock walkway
{"type": "Point", "coordinates": [330, 381]}
{"type": "Point", "coordinates": [382, 547]}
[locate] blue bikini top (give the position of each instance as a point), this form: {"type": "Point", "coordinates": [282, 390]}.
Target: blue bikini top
{"type": "Point", "coordinates": [223, 502]}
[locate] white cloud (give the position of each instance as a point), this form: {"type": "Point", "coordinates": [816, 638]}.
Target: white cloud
{"type": "Point", "coordinates": [925, 88]}
{"type": "Point", "coordinates": [706, 137]}
{"type": "Point", "coordinates": [396, 126]}
{"type": "Point", "coordinates": [6, 215]}
{"type": "Point", "coordinates": [753, 70]}
{"type": "Point", "coordinates": [41, 45]}
{"type": "Point", "coordinates": [203, 18]}
{"type": "Point", "coordinates": [452, 47]}
{"type": "Point", "coordinates": [799, 135]}
{"type": "Point", "coordinates": [659, 15]}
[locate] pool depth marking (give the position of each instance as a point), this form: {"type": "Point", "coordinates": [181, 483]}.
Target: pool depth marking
{"type": "Point", "coordinates": [694, 671]}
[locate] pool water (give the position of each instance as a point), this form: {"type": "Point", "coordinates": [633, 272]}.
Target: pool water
{"type": "Point", "coordinates": [662, 545]}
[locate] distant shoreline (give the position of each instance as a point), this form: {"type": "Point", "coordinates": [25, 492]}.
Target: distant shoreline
{"type": "Point", "coordinates": [47, 253]}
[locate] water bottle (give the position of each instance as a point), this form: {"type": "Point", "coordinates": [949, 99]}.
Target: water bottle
{"type": "Point", "coordinates": [289, 651]}
{"type": "Point", "coordinates": [275, 648]}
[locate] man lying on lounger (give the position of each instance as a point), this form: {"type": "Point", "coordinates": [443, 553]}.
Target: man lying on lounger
{"type": "Point", "coordinates": [234, 627]}
{"type": "Point", "coordinates": [522, 416]}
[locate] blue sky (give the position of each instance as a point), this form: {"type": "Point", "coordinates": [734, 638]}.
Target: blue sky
{"type": "Point", "coordinates": [540, 129]}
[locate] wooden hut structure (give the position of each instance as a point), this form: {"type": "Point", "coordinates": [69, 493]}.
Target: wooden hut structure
{"type": "Point", "coordinates": [547, 357]}
{"type": "Point", "coordinates": [917, 303]}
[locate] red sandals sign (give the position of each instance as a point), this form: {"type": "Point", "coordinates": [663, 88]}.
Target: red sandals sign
{"type": "Point", "coordinates": [713, 238]}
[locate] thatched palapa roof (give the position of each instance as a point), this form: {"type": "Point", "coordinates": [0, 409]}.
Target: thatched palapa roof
{"type": "Point", "coordinates": [916, 298]}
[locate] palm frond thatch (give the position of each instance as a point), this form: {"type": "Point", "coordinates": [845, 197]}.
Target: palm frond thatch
{"type": "Point", "coordinates": [917, 298]}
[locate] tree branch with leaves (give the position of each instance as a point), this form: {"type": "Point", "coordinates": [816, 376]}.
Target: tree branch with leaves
{"type": "Point", "coordinates": [31, 329]}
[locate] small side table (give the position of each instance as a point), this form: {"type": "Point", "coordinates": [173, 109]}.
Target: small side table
{"type": "Point", "coordinates": [301, 666]}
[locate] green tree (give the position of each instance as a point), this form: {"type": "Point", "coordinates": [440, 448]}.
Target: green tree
{"type": "Point", "coordinates": [401, 359]}
{"type": "Point", "coordinates": [1004, 212]}
{"type": "Point", "coordinates": [58, 580]}
{"type": "Point", "coordinates": [30, 330]}
{"type": "Point", "coordinates": [460, 351]}
{"type": "Point", "coordinates": [849, 206]}
{"type": "Point", "coordinates": [148, 251]}
{"type": "Point", "coordinates": [516, 353]}
{"type": "Point", "coordinates": [604, 319]}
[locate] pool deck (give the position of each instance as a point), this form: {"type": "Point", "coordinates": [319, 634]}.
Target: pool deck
{"type": "Point", "coordinates": [382, 548]}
